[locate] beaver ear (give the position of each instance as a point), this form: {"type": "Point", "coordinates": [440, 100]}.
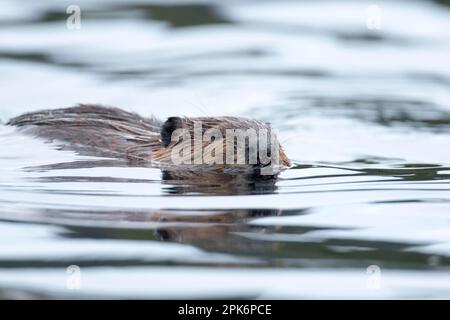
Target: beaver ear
{"type": "Point", "coordinates": [171, 124]}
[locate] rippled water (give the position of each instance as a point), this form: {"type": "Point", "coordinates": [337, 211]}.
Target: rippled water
{"type": "Point", "coordinates": [364, 115]}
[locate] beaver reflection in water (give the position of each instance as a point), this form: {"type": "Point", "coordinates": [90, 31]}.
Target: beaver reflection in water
{"type": "Point", "coordinates": [112, 132]}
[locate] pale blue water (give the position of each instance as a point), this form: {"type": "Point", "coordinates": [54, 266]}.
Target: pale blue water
{"type": "Point", "coordinates": [364, 115]}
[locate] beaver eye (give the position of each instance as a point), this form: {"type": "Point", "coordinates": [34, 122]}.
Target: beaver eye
{"type": "Point", "coordinates": [171, 124]}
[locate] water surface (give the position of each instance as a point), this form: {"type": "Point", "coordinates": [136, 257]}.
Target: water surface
{"type": "Point", "coordinates": [363, 114]}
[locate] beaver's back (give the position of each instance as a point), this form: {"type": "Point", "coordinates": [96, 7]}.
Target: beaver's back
{"type": "Point", "coordinates": [95, 130]}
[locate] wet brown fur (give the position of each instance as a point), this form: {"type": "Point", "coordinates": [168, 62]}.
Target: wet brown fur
{"type": "Point", "coordinates": [112, 132]}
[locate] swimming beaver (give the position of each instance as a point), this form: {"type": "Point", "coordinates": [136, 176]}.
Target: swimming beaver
{"type": "Point", "coordinates": [112, 132]}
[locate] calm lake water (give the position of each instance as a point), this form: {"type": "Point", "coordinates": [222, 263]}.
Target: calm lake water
{"type": "Point", "coordinates": [363, 113]}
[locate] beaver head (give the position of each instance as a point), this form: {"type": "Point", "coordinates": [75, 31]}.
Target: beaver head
{"type": "Point", "coordinates": [227, 144]}
{"type": "Point", "coordinates": [192, 147]}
